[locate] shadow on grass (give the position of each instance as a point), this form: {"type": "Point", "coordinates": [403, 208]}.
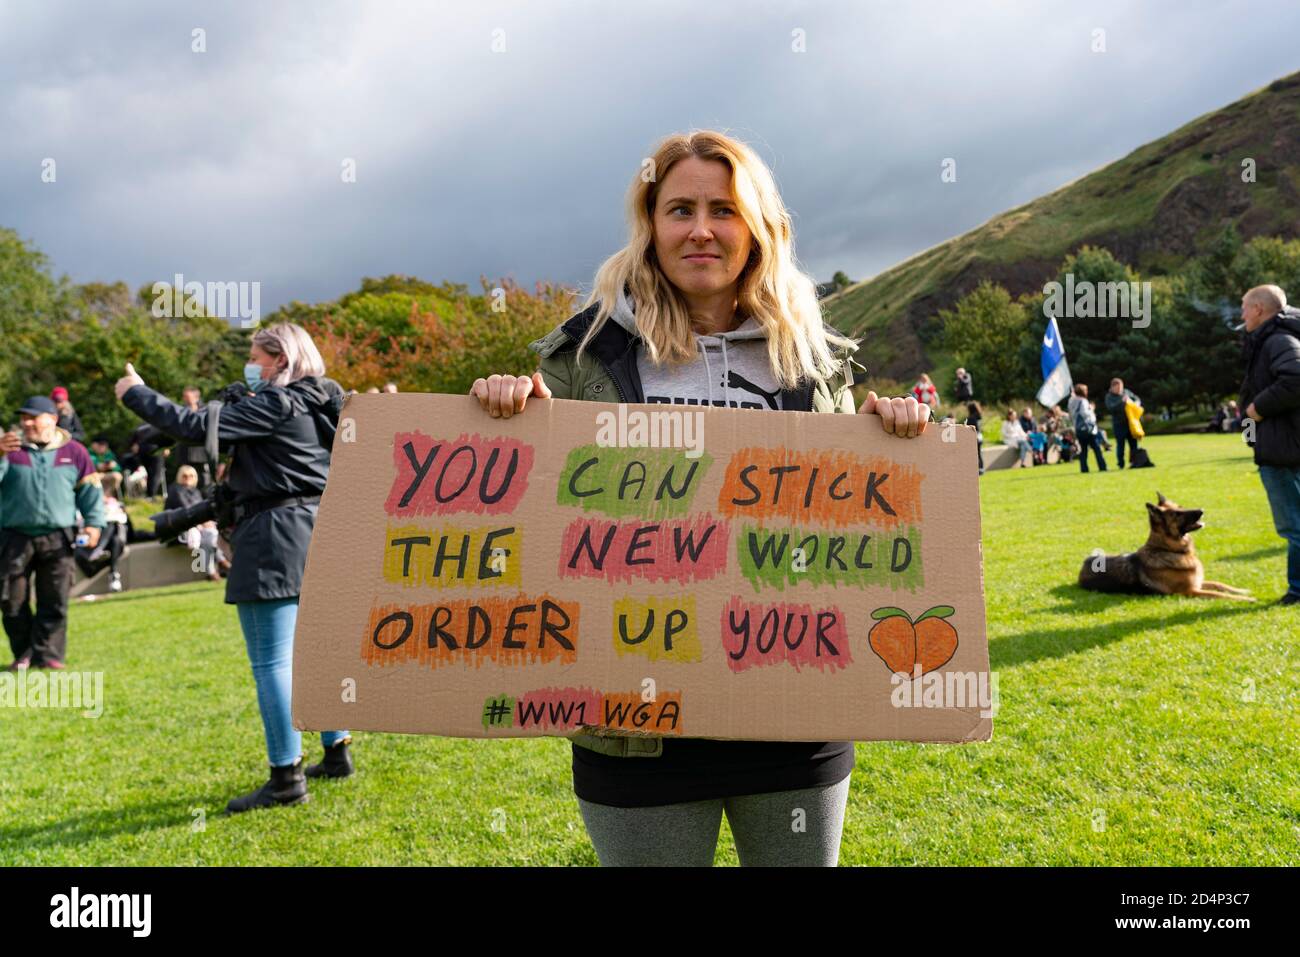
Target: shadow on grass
{"type": "Point", "coordinates": [166, 591]}
{"type": "Point", "coordinates": [1043, 643]}
{"type": "Point", "coordinates": [1253, 556]}
{"type": "Point", "coordinates": [78, 830]}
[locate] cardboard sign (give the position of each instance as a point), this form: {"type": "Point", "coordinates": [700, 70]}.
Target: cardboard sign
{"type": "Point", "coordinates": [643, 569]}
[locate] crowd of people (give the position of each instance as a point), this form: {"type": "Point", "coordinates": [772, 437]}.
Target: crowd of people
{"type": "Point", "coordinates": [1055, 436]}
{"type": "Point", "coordinates": [1268, 413]}
{"type": "Point", "coordinates": [643, 800]}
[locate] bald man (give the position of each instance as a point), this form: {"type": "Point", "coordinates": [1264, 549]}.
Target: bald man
{"type": "Point", "coordinates": [1270, 394]}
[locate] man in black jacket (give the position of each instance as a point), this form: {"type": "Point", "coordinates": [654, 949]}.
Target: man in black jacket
{"type": "Point", "coordinates": [965, 386]}
{"type": "Point", "coordinates": [191, 454]}
{"type": "Point", "coordinates": [1116, 400]}
{"type": "Point", "coordinates": [1270, 394]}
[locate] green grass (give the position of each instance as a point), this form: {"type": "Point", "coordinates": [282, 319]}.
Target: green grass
{"type": "Point", "coordinates": [140, 510]}
{"type": "Point", "coordinates": [1127, 707]}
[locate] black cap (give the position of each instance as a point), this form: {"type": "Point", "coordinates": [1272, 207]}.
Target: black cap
{"type": "Point", "coordinates": [37, 405]}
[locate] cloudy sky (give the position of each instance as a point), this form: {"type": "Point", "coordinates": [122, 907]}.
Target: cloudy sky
{"type": "Point", "coordinates": [499, 138]}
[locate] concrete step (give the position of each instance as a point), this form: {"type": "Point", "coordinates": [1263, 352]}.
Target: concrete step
{"type": "Point", "coordinates": [146, 565]}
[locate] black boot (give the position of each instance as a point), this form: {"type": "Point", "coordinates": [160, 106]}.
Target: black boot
{"type": "Point", "coordinates": [287, 785]}
{"type": "Point", "coordinates": [337, 762]}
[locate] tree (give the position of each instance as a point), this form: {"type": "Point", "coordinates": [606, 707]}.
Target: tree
{"type": "Point", "coordinates": [986, 332]}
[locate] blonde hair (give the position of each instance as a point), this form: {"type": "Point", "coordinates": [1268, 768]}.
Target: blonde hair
{"type": "Point", "coordinates": [771, 287]}
{"type": "Point", "coordinates": [290, 340]}
{"type": "Point", "coordinates": [187, 472]}
{"type": "Point", "coordinates": [1272, 298]}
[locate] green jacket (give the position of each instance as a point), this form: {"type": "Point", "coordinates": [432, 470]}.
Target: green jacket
{"type": "Point", "coordinates": [608, 373]}
{"type": "Point", "coordinates": [41, 490]}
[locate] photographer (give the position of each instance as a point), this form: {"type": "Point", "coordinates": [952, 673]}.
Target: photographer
{"type": "Point", "coordinates": [280, 428]}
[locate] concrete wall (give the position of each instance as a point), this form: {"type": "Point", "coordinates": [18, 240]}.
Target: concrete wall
{"type": "Point", "coordinates": [146, 565]}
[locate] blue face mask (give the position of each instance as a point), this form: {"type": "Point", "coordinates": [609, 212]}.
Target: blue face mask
{"type": "Point", "coordinates": [253, 377]}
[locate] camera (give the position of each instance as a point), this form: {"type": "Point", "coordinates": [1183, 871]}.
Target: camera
{"type": "Point", "coordinates": [217, 504]}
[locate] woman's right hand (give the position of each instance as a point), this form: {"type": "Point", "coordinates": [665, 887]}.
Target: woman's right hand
{"type": "Point", "coordinates": [504, 395]}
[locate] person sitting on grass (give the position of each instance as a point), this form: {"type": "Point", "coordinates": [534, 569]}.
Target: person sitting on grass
{"type": "Point", "coordinates": [1013, 434]}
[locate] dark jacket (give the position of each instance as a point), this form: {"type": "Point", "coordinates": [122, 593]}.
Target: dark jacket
{"type": "Point", "coordinates": [281, 440]}
{"type": "Point", "coordinates": [182, 496]}
{"type": "Point", "coordinates": [684, 769]}
{"type": "Point", "coordinates": [965, 388]}
{"type": "Point", "coordinates": [1272, 382]}
{"type": "Point", "coordinates": [1118, 417]}
{"type": "Point", "coordinates": [71, 423]}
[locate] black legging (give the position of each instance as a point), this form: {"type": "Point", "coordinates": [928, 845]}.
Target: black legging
{"type": "Point", "coordinates": [1090, 440]}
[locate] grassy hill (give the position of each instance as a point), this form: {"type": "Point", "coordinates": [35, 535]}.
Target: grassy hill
{"type": "Point", "coordinates": [1156, 207]}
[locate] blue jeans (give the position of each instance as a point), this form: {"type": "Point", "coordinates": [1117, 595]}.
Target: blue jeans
{"type": "Point", "coordinates": [268, 633]}
{"type": "Point", "coordinates": [1283, 488]}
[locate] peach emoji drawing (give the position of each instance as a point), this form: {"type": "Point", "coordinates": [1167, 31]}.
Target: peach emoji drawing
{"type": "Point", "coordinates": [902, 643]}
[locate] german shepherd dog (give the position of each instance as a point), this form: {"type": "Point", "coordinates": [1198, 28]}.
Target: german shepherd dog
{"type": "Point", "coordinates": [1165, 565]}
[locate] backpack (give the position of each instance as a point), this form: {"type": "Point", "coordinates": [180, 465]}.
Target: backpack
{"type": "Point", "coordinates": [1141, 460]}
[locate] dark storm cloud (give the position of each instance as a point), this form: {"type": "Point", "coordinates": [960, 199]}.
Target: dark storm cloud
{"type": "Point", "coordinates": [226, 164]}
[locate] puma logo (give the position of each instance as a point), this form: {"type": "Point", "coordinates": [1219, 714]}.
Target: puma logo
{"type": "Point", "coordinates": [737, 381]}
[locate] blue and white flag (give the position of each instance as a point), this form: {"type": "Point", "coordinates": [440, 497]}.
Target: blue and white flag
{"type": "Point", "coordinates": [1056, 373]}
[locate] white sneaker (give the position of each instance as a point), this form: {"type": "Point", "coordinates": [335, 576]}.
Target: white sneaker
{"type": "Point", "coordinates": [115, 584]}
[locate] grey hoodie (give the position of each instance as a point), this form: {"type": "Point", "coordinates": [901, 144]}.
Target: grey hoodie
{"type": "Point", "coordinates": [731, 369]}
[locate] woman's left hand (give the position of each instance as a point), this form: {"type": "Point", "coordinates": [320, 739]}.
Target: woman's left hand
{"type": "Point", "coordinates": [127, 381]}
{"type": "Point", "coordinates": [904, 417]}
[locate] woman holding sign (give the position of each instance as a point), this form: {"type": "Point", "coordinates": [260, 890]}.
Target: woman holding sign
{"type": "Point", "coordinates": [705, 306]}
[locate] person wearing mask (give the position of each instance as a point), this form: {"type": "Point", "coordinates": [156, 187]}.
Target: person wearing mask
{"type": "Point", "coordinates": [282, 425]}
{"type": "Point", "coordinates": [1115, 401]}
{"type": "Point", "coordinates": [46, 477]}
{"type": "Point", "coordinates": [1270, 394]}
{"type": "Point", "coordinates": [704, 306]}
